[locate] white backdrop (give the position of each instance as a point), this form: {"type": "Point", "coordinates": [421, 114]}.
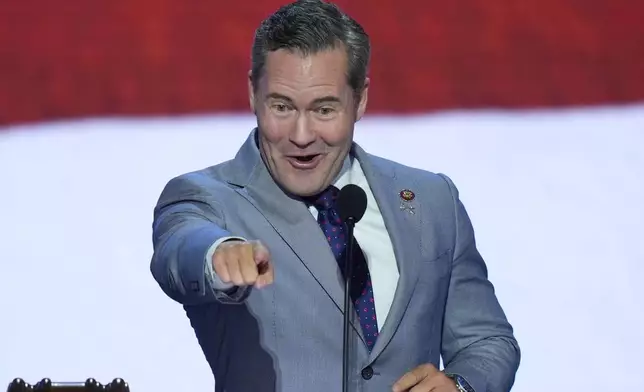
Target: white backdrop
{"type": "Point", "coordinates": [557, 201]}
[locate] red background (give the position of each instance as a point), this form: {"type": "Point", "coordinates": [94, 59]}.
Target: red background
{"type": "Point", "coordinates": [73, 58]}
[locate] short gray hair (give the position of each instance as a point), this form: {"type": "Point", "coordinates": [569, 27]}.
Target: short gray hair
{"type": "Point", "coordinates": [309, 27]}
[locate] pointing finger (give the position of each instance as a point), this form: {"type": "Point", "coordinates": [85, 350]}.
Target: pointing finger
{"type": "Point", "coordinates": [266, 274]}
{"type": "Point", "coordinates": [260, 253]}
{"type": "Point", "coordinates": [264, 266]}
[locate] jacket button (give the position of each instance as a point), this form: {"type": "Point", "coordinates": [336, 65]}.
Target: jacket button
{"type": "Point", "coordinates": [367, 373]}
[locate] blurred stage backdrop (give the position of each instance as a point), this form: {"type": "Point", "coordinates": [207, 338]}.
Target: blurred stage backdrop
{"type": "Point", "coordinates": [534, 108]}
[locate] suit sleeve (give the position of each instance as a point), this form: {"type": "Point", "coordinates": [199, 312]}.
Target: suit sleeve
{"type": "Point", "coordinates": [478, 342]}
{"type": "Point", "coordinates": [188, 224]}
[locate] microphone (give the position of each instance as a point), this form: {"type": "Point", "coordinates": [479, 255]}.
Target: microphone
{"type": "Point", "coordinates": [351, 205]}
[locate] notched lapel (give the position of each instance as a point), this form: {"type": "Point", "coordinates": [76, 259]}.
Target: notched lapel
{"type": "Point", "coordinates": [405, 231]}
{"type": "Point", "coordinates": [293, 222]}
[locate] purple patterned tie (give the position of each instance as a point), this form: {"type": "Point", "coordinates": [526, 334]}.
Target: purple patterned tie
{"type": "Point", "coordinates": [361, 290]}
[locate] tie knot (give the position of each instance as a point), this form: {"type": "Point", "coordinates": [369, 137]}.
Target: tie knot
{"type": "Point", "coordinates": [326, 200]}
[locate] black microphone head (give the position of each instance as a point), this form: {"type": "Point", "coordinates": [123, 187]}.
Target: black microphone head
{"type": "Point", "coordinates": [351, 203]}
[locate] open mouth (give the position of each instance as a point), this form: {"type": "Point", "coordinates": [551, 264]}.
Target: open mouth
{"type": "Point", "coordinates": [306, 158]}
{"type": "Point", "coordinates": [305, 161]}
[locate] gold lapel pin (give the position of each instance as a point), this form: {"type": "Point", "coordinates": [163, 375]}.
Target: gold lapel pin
{"type": "Point", "coordinates": [406, 197]}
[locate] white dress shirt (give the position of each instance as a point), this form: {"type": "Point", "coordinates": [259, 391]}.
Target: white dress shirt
{"type": "Point", "coordinates": [370, 232]}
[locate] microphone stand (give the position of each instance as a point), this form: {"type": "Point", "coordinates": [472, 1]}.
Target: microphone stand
{"type": "Point", "coordinates": [348, 264]}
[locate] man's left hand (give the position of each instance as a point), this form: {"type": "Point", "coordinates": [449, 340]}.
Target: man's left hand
{"type": "Point", "coordinates": [425, 378]}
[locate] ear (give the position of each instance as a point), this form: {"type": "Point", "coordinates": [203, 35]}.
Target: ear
{"type": "Point", "coordinates": [362, 105]}
{"type": "Point", "coordinates": [251, 91]}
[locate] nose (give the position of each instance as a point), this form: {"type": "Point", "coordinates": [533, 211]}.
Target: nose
{"type": "Point", "coordinates": [302, 134]}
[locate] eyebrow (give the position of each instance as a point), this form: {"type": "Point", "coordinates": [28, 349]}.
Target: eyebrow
{"type": "Point", "coordinates": [325, 99]}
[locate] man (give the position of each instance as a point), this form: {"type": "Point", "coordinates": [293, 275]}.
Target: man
{"type": "Point", "coordinates": [253, 248]}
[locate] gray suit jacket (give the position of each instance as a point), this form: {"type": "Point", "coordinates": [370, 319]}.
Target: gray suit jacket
{"type": "Point", "coordinates": [288, 336]}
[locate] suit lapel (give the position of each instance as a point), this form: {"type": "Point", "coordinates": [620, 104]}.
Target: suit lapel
{"type": "Point", "coordinates": [404, 230]}
{"type": "Point", "coordinates": [291, 220]}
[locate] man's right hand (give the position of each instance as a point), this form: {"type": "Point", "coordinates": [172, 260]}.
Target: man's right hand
{"type": "Point", "coordinates": [243, 263]}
